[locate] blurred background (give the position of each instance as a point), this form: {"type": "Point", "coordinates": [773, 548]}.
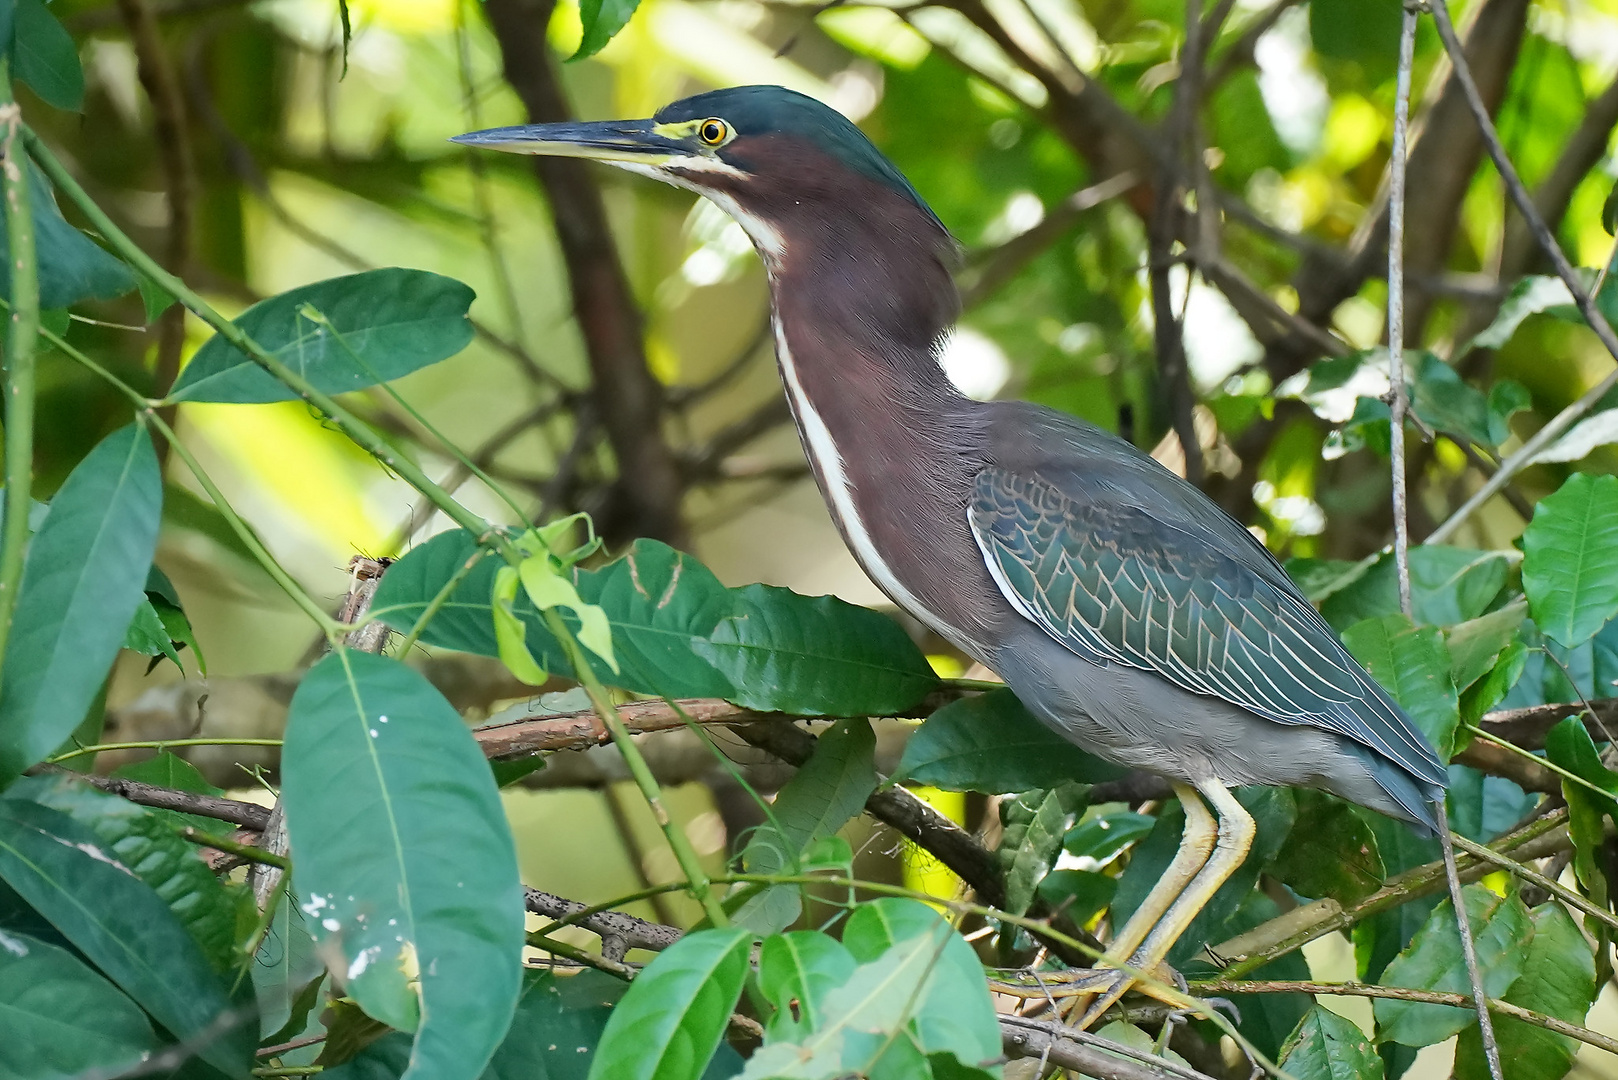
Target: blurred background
{"type": "Point", "coordinates": [622, 363]}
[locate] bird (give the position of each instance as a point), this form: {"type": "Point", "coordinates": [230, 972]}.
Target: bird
{"type": "Point", "coordinates": [1124, 609]}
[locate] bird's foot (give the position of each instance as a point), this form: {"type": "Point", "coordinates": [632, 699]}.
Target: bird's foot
{"type": "Point", "coordinates": [1094, 992]}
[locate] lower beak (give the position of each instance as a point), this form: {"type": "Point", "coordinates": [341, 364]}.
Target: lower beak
{"type": "Point", "coordinates": [628, 141]}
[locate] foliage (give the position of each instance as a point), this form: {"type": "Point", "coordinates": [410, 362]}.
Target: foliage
{"type": "Point", "coordinates": [192, 480]}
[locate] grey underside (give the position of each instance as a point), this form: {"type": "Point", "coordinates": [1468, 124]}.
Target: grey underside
{"type": "Point", "coordinates": [1146, 722]}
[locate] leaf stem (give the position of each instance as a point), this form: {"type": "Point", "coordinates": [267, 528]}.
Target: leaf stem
{"type": "Point", "coordinates": [230, 847]}
{"type": "Point", "coordinates": [686, 855]}
{"type": "Point", "coordinates": [157, 744]}
{"type": "Point", "coordinates": [1505, 744]}
{"type": "Point", "coordinates": [22, 333]}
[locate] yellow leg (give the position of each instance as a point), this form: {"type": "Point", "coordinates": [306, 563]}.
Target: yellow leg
{"type": "Point", "coordinates": [1236, 829]}
{"type": "Point", "coordinates": [1196, 844]}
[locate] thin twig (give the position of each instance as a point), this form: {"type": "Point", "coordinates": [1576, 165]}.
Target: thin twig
{"type": "Point", "coordinates": [1400, 993]}
{"type": "Point", "coordinates": [1397, 401]}
{"type": "Point", "coordinates": [1469, 952]}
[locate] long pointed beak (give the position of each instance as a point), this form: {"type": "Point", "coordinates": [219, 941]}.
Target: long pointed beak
{"type": "Point", "coordinates": [634, 142]}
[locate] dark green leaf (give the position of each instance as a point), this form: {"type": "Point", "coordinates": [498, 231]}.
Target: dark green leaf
{"type": "Point", "coordinates": [1273, 811]}
{"type": "Point", "coordinates": [1340, 860]}
{"type": "Point", "coordinates": [1570, 559]}
{"type": "Point", "coordinates": [1447, 586]}
{"type": "Point", "coordinates": [1502, 930]}
{"type": "Point", "coordinates": [287, 973]}
{"type": "Point", "coordinates": [821, 798]}
{"type": "Point", "coordinates": [154, 298]}
{"type": "Point", "coordinates": [63, 1019]}
{"type": "Point", "coordinates": [144, 842]}
{"type": "Point", "coordinates": [1481, 807]}
{"type": "Point", "coordinates": [46, 57]}
{"type": "Point", "coordinates": [558, 1026]}
{"type": "Point", "coordinates": [349, 1032]}
{"type": "Point", "coordinates": [148, 636]}
{"type": "Point", "coordinates": [1327, 1047]}
{"type": "Point", "coordinates": [405, 859]}
{"type": "Point", "coordinates": [1323, 578]}
{"type": "Point", "coordinates": [1489, 691]}
{"type": "Point", "coordinates": [816, 656]}
{"type": "Point", "coordinates": [1476, 644]}
{"type": "Point", "coordinates": [61, 869]}
{"type": "Point", "coordinates": [81, 584]}
{"type": "Point", "coordinates": [393, 320]}
{"type": "Point", "coordinates": [1264, 1019]}
{"type": "Point", "coordinates": [385, 1059]}
{"type": "Point", "coordinates": [1079, 895]}
{"type": "Point", "coordinates": [1558, 980]}
{"type": "Point", "coordinates": [1032, 827]}
{"type": "Point", "coordinates": [602, 20]}
{"type": "Point", "coordinates": [1569, 745]}
{"type": "Point", "coordinates": [1102, 837]}
{"type": "Point", "coordinates": [1414, 666]}
{"type": "Point", "coordinates": [991, 743]}
{"type": "Point", "coordinates": [72, 267]}
{"type": "Point", "coordinates": [669, 1023]}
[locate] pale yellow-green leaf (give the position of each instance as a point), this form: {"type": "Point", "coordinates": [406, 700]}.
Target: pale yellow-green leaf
{"type": "Point", "coordinates": [510, 634]}
{"type": "Point", "coordinates": [548, 589]}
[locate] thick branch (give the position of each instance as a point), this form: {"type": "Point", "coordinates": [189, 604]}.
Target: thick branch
{"type": "Point", "coordinates": [629, 400]}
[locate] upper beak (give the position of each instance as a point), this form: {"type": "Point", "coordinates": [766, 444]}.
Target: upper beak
{"type": "Point", "coordinates": [629, 141]}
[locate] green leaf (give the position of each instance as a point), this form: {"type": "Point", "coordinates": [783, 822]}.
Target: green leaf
{"type": "Point", "coordinates": [1103, 836]}
{"type": "Point", "coordinates": [1079, 895]}
{"type": "Point", "coordinates": [404, 857]}
{"type": "Point", "coordinates": [1570, 559]}
{"type": "Point", "coordinates": [816, 656]}
{"type": "Point", "coordinates": [1447, 586]}
{"type": "Point", "coordinates": [144, 842]}
{"type": "Point", "coordinates": [1476, 644]}
{"type": "Point", "coordinates": [61, 1018]}
{"type": "Point", "coordinates": [72, 267]}
{"type": "Point", "coordinates": [821, 798]}
{"type": "Point", "coordinates": [676, 1010]}
{"type": "Point", "coordinates": [1033, 825]}
{"type": "Point", "coordinates": [510, 632]}
{"type": "Point", "coordinates": [1414, 666]}
{"type": "Point", "coordinates": [1273, 811]}
{"type": "Point", "coordinates": [46, 57]}
{"type": "Point", "coordinates": [61, 870]}
{"type": "Point", "coordinates": [287, 973]}
{"type": "Point", "coordinates": [657, 600]}
{"type": "Point", "coordinates": [1340, 860]}
{"type": "Point", "coordinates": [1530, 296]}
{"type": "Point", "coordinates": [1558, 980]}
{"type": "Point", "coordinates": [1569, 745]}
{"type": "Point", "coordinates": [148, 636]}
{"type": "Point", "coordinates": [394, 321]}
{"type": "Point", "coordinates": [1502, 931]}
{"type": "Point", "coordinates": [1325, 1046]}
{"type": "Point", "coordinates": [796, 972]}
{"type": "Point", "coordinates": [952, 1011]}
{"type": "Point", "coordinates": [1489, 691]}
{"type": "Point", "coordinates": [602, 20]}
{"type": "Point", "coordinates": [154, 299]}
{"type": "Point", "coordinates": [81, 584]}
{"type": "Point", "coordinates": [991, 743]}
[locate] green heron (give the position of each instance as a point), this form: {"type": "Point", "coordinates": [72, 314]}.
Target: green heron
{"type": "Point", "coordinates": [1124, 609]}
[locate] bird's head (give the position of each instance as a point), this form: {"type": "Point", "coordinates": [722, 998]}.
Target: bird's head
{"type": "Point", "coordinates": [775, 159]}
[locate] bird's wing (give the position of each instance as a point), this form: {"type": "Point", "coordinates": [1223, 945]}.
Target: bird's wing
{"type": "Point", "coordinates": [1117, 583]}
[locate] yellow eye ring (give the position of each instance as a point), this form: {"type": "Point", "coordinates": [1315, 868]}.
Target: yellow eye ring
{"type": "Point", "coordinates": [713, 131]}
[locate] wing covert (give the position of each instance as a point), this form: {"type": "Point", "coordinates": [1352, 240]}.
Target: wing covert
{"type": "Point", "coordinates": [1116, 584]}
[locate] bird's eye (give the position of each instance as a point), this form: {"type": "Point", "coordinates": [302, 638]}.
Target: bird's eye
{"type": "Point", "coordinates": [713, 131]}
